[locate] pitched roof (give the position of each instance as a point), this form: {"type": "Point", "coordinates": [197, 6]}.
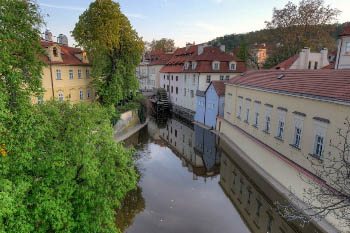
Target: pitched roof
{"type": "Point", "coordinates": [333, 85]}
{"type": "Point", "coordinates": [203, 60]}
{"type": "Point", "coordinates": [68, 54]}
{"type": "Point", "coordinates": [346, 30]}
{"type": "Point", "coordinates": [160, 58]}
{"type": "Point", "coordinates": [286, 64]}
{"type": "Point", "coordinates": [219, 87]}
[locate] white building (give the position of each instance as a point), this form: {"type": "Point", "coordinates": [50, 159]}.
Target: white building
{"type": "Point", "coordinates": [343, 55]}
{"type": "Point", "coordinates": [305, 60]}
{"type": "Point", "coordinates": [192, 68]}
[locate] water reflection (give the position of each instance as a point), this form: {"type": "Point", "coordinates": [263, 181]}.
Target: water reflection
{"type": "Point", "coordinates": [185, 189]}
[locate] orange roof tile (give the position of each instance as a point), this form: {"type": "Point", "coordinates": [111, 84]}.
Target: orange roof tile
{"type": "Point", "coordinates": [321, 84]}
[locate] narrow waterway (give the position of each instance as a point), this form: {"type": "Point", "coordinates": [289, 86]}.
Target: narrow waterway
{"type": "Point", "coordinates": [189, 184]}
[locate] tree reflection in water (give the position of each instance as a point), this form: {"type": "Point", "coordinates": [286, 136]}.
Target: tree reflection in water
{"type": "Point", "coordinates": [133, 204]}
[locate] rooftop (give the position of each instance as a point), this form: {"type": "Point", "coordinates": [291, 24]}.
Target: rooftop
{"type": "Point", "coordinates": [331, 85]}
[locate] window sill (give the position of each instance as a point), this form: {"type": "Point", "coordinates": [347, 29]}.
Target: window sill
{"type": "Point", "coordinates": [256, 126]}
{"type": "Point", "coordinates": [279, 139]}
{"type": "Point", "coordinates": [316, 157]}
{"type": "Point", "coordinates": [267, 132]}
{"type": "Point", "coordinates": [295, 147]}
{"type": "Point", "coordinates": [245, 121]}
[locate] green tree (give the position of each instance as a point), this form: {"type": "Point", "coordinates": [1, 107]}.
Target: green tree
{"type": "Point", "coordinates": [303, 25]}
{"type": "Point", "coordinates": [114, 48]}
{"type": "Point", "coordinates": [164, 45]}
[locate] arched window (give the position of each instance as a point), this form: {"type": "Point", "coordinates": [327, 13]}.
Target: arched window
{"type": "Point", "coordinates": [60, 96]}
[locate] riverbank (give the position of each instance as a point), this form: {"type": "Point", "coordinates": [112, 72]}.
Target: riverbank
{"type": "Point", "coordinates": [125, 134]}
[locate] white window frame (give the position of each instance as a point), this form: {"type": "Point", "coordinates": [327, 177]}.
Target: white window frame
{"type": "Point", "coordinates": [233, 66]}
{"type": "Point", "coordinates": [58, 74]}
{"type": "Point", "coordinates": [79, 74]}
{"type": "Point", "coordinates": [194, 65]}
{"type": "Point", "coordinates": [256, 114]}
{"type": "Point", "coordinates": [298, 124]}
{"type": "Point", "coordinates": [222, 77]}
{"type": "Point", "coordinates": [239, 108]}
{"type": "Point", "coordinates": [87, 73]}
{"type": "Point", "coordinates": [216, 65]}
{"type": "Point", "coordinates": [247, 110]}
{"type": "Point", "coordinates": [267, 121]}
{"type": "Point", "coordinates": [347, 48]}
{"type": "Point", "coordinates": [187, 64]}
{"type": "Point", "coordinates": [281, 124]}
{"type": "Point", "coordinates": [60, 96]}
{"type": "Point", "coordinates": [71, 74]}
{"type": "Point", "coordinates": [320, 131]}
{"type": "Point", "coordinates": [81, 94]}
{"type": "Point", "coordinates": [88, 93]}
{"type": "Point", "coordinates": [208, 78]}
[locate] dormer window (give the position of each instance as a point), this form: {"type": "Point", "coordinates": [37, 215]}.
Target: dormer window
{"type": "Point", "coordinates": [54, 51]}
{"type": "Point", "coordinates": [194, 65]}
{"type": "Point", "coordinates": [232, 66]}
{"type": "Point", "coordinates": [216, 65]}
{"type": "Point", "coordinates": [187, 64]}
{"type": "Point", "coordinates": [347, 48]}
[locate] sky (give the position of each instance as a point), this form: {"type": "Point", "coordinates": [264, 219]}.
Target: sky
{"type": "Point", "coordinates": [182, 20]}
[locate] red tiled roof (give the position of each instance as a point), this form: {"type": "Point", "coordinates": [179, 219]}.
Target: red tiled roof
{"type": "Point", "coordinates": [160, 59]}
{"type": "Point", "coordinates": [286, 64]}
{"type": "Point", "coordinates": [67, 53]}
{"type": "Point", "coordinates": [204, 61]}
{"type": "Point", "coordinates": [346, 30]}
{"type": "Point", "coordinates": [219, 87]}
{"type": "Point", "coordinates": [322, 84]}
{"type": "Point", "coordinates": [330, 66]}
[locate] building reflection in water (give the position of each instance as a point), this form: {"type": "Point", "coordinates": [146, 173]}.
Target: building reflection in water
{"type": "Point", "coordinates": [195, 146]}
{"type": "Point", "coordinates": [253, 197]}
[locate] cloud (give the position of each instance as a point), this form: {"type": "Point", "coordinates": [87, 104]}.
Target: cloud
{"type": "Point", "coordinates": [73, 8]}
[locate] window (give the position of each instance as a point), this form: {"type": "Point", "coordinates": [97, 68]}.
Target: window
{"type": "Point", "coordinates": [247, 115]}
{"type": "Point", "coordinates": [316, 65]}
{"type": "Point", "coordinates": [269, 224]}
{"type": "Point", "coordinates": [281, 123]}
{"type": "Point", "coordinates": [227, 77]}
{"type": "Point", "coordinates": [216, 65]}
{"type": "Point", "coordinates": [268, 120]}
{"type": "Point", "coordinates": [192, 93]}
{"type": "Point", "coordinates": [177, 78]}
{"type": "Point", "coordinates": [319, 139]}
{"type": "Point", "coordinates": [256, 114]}
{"type": "Point", "coordinates": [167, 88]}
{"type": "Point", "coordinates": [298, 129]}
{"type": "Point", "coordinates": [172, 77]}
{"type": "Point", "coordinates": [185, 91]}
{"type": "Point", "coordinates": [208, 78]}
{"type": "Point", "coordinates": [88, 94]}
{"type": "Point", "coordinates": [258, 207]}
{"type": "Point", "coordinates": [172, 89]}
{"type": "Point", "coordinates": [232, 66]}
{"type": "Point", "coordinates": [347, 48]}
{"type": "Point", "coordinates": [60, 96]}
{"type": "Point", "coordinates": [40, 100]}
{"type": "Point", "coordinates": [79, 74]}
{"type": "Point", "coordinates": [211, 105]}
{"type": "Point", "coordinates": [164, 77]}
{"type": "Point", "coordinates": [194, 65]}
{"type": "Point", "coordinates": [176, 90]}
{"type": "Point", "coordinates": [81, 94]}
{"type": "Point", "coordinates": [186, 65]}
{"type": "Point", "coordinates": [249, 196]}
{"type": "Point", "coordinates": [241, 187]}
{"type": "Point", "coordinates": [168, 77]}
{"type": "Point", "coordinates": [221, 77]}
{"type": "Point", "coordinates": [309, 67]}
{"type": "Point", "coordinates": [239, 108]}
{"type": "Point", "coordinates": [175, 133]}
{"type": "Point", "coordinates": [280, 129]}
{"type": "Point", "coordinates": [71, 75]}
{"type": "Point", "coordinates": [297, 137]}
{"type": "Point", "coordinates": [55, 53]}
{"type": "Point", "coordinates": [87, 73]}
{"type": "Point", "coordinates": [164, 86]}
{"type": "Point", "coordinates": [58, 75]}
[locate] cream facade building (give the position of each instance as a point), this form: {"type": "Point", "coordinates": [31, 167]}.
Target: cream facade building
{"type": "Point", "coordinates": [66, 75]}
{"type": "Point", "coordinates": [283, 121]}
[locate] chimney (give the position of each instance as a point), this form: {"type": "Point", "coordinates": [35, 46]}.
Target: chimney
{"type": "Point", "coordinates": [62, 39]}
{"type": "Point", "coordinates": [324, 58]}
{"type": "Point", "coordinates": [48, 35]}
{"type": "Point", "coordinates": [304, 58]}
{"type": "Point", "coordinates": [222, 48]}
{"type": "Point", "coordinates": [188, 45]}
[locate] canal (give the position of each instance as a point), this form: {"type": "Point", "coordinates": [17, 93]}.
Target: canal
{"type": "Point", "coordinates": [192, 182]}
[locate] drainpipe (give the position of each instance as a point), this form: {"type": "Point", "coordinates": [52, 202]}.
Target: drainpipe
{"type": "Point", "coordinates": [52, 86]}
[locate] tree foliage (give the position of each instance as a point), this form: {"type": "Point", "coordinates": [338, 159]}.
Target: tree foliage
{"type": "Point", "coordinates": [303, 25]}
{"type": "Point", "coordinates": [60, 168]}
{"type": "Point", "coordinates": [164, 45]}
{"type": "Point", "coordinates": [113, 47]}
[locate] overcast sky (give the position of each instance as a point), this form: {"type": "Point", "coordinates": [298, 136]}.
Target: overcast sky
{"type": "Point", "coordinates": [182, 20]}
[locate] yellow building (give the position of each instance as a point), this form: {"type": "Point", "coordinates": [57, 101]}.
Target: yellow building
{"type": "Point", "coordinates": [66, 75]}
{"type": "Point", "coordinates": [283, 121]}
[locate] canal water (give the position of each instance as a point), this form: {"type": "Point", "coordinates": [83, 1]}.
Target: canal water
{"type": "Point", "coordinates": [190, 183]}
